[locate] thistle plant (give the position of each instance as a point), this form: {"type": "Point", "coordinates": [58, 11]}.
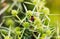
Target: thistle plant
{"type": "Point", "coordinates": [35, 23]}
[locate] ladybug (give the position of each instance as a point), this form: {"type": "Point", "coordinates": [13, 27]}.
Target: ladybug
{"type": "Point", "coordinates": [32, 18]}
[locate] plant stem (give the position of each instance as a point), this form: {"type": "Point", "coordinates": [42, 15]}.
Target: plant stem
{"type": "Point", "coordinates": [38, 36]}
{"type": "Point", "coordinates": [18, 18]}
{"type": "Point", "coordinates": [3, 35]}
{"type": "Point", "coordinates": [9, 31]}
{"type": "Point", "coordinates": [2, 23]}
{"type": "Point", "coordinates": [13, 4]}
{"type": "Point", "coordinates": [23, 20]}
{"type": "Point", "coordinates": [25, 7]}
{"type": "Point", "coordinates": [34, 35]}
{"type": "Point", "coordinates": [57, 30]}
{"type": "Point", "coordinates": [22, 33]}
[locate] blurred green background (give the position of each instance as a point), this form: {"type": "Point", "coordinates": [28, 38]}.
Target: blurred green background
{"type": "Point", "coordinates": [54, 6]}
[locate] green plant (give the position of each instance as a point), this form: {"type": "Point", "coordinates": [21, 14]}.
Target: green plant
{"type": "Point", "coordinates": [14, 12]}
{"type": "Point", "coordinates": [26, 24]}
{"type": "Point", "coordinates": [35, 23]}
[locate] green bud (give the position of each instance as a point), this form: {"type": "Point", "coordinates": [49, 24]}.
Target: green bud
{"type": "Point", "coordinates": [46, 11]}
{"type": "Point", "coordinates": [9, 22]}
{"type": "Point", "coordinates": [19, 37]}
{"type": "Point", "coordinates": [40, 29]}
{"type": "Point", "coordinates": [37, 22]}
{"type": "Point", "coordinates": [34, 2]}
{"type": "Point", "coordinates": [41, 38]}
{"type": "Point", "coordinates": [17, 31]}
{"type": "Point", "coordinates": [7, 37]}
{"type": "Point", "coordinates": [26, 24]}
{"type": "Point", "coordinates": [14, 12]}
{"type": "Point", "coordinates": [48, 32]}
{"type": "Point", "coordinates": [43, 35]}
{"type": "Point", "coordinates": [29, 14]}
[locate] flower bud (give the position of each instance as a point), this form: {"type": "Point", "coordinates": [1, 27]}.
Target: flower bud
{"type": "Point", "coordinates": [14, 12]}
{"type": "Point", "coordinates": [37, 22]}
{"type": "Point", "coordinates": [48, 32]}
{"type": "Point", "coordinates": [17, 31]}
{"type": "Point", "coordinates": [7, 37]}
{"type": "Point", "coordinates": [26, 24]}
{"type": "Point", "coordinates": [9, 22]}
{"type": "Point", "coordinates": [29, 14]}
{"type": "Point", "coordinates": [46, 11]}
